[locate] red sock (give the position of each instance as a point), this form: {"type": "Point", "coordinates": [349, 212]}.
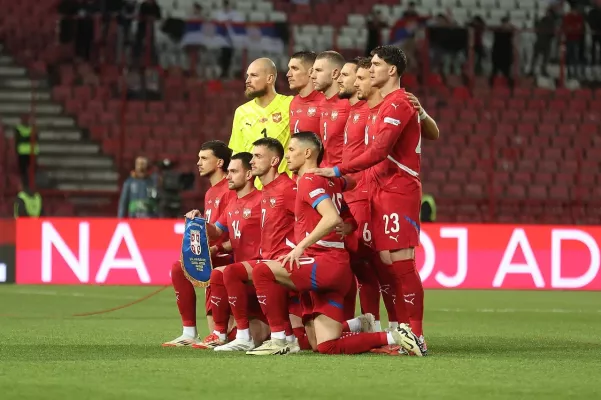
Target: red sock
{"type": "Point", "coordinates": [272, 296]}
{"type": "Point", "coordinates": [409, 284]}
{"type": "Point", "coordinates": [368, 288]}
{"type": "Point", "coordinates": [232, 334]}
{"type": "Point", "coordinates": [219, 305]}
{"type": "Point", "coordinates": [185, 295]}
{"type": "Point", "coordinates": [353, 344]}
{"type": "Point", "coordinates": [350, 301]}
{"type": "Point", "coordinates": [235, 278]}
{"type": "Point", "coordinates": [387, 289]}
{"type": "Point", "coordinates": [303, 340]}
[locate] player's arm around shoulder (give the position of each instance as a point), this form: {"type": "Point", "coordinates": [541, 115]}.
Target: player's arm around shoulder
{"type": "Point", "coordinates": [429, 126]}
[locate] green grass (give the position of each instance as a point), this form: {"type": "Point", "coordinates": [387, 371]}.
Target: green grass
{"type": "Point", "coordinates": [483, 344]}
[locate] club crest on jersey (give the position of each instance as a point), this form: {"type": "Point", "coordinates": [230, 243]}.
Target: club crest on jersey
{"type": "Point", "coordinates": [330, 183]}
{"type": "Point", "coordinates": [272, 202]}
{"type": "Point", "coordinates": [277, 117]}
{"type": "Point", "coordinates": [373, 119]}
{"type": "Point", "coordinates": [311, 111]}
{"type": "Point", "coordinates": [216, 202]}
{"type": "Point", "coordinates": [246, 213]}
{"type": "Point", "coordinates": [210, 201]}
{"type": "Point", "coordinates": [195, 247]}
{"type": "Point", "coordinates": [334, 115]}
{"type": "Point", "coordinates": [355, 118]}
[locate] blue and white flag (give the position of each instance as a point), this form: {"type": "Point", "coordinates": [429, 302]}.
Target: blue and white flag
{"type": "Point", "coordinates": [196, 253]}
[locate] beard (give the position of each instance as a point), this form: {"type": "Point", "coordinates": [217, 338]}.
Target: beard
{"type": "Point", "coordinates": [345, 94]}
{"type": "Point", "coordinates": [250, 94]}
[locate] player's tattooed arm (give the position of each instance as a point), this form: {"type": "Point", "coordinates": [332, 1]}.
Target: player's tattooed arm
{"type": "Point", "coordinates": [429, 127]}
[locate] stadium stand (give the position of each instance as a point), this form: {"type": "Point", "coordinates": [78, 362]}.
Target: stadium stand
{"type": "Point", "coordinates": [529, 155]}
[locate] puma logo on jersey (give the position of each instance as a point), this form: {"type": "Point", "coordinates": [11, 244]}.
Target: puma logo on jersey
{"type": "Point", "coordinates": [410, 298]}
{"type": "Point", "coordinates": [395, 238]}
{"type": "Point", "coordinates": [394, 105]}
{"type": "Point", "coordinates": [232, 301]}
{"type": "Point", "coordinates": [309, 178]}
{"type": "Point", "coordinates": [262, 300]}
{"type": "Point", "coordinates": [215, 300]}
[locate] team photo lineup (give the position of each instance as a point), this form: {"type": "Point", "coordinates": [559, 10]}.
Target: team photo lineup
{"type": "Point", "coordinates": [315, 199]}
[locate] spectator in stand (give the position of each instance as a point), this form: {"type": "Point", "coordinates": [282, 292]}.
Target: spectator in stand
{"type": "Point", "coordinates": [594, 22]}
{"type": "Point", "coordinates": [411, 11]}
{"type": "Point", "coordinates": [28, 203]}
{"type": "Point", "coordinates": [148, 13]}
{"type": "Point", "coordinates": [502, 51]}
{"type": "Point", "coordinates": [448, 41]}
{"type": "Point", "coordinates": [375, 24]}
{"type": "Point", "coordinates": [545, 33]}
{"type": "Point", "coordinates": [126, 15]}
{"type": "Point", "coordinates": [85, 28]}
{"type": "Point", "coordinates": [110, 9]}
{"type": "Point", "coordinates": [478, 25]}
{"type": "Point", "coordinates": [197, 12]}
{"type": "Point", "coordinates": [68, 11]}
{"type": "Point", "coordinates": [573, 29]}
{"type": "Point", "coordinates": [227, 15]}
{"type": "Point", "coordinates": [137, 193]}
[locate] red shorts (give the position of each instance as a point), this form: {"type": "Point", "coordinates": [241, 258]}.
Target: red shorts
{"type": "Point", "coordinates": [327, 278]}
{"type": "Point", "coordinates": [294, 305]}
{"type": "Point", "coordinates": [220, 260]}
{"type": "Point", "coordinates": [362, 237]}
{"type": "Point", "coordinates": [395, 219]}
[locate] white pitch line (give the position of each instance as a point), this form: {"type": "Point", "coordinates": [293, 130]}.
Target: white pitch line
{"type": "Point", "coordinates": [516, 310]}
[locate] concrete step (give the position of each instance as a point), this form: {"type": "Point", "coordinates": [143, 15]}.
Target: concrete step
{"type": "Point", "coordinates": [98, 200]}
{"type": "Point", "coordinates": [90, 187]}
{"type": "Point", "coordinates": [80, 163]}
{"type": "Point", "coordinates": [8, 95]}
{"type": "Point", "coordinates": [42, 122]}
{"type": "Point", "coordinates": [68, 148]}
{"type": "Point", "coordinates": [10, 71]}
{"type": "Point", "coordinates": [83, 175]}
{"type": "Point", "coordinates": [60, 134]}
{"type": "Point", "coordinates": [22, 83]}
{"type": "Point", "coordinates": [45, 108]}
{"type": "Point", "coordinates": [6, 60]}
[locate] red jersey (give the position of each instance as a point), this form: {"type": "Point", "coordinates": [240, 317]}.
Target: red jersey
{"type": "Point", "coordinates": [334, 113]}
{"type": "Point", "coordinates": [305, 112]}
{"type": "Point", "coordinates": [396, 150]}
{"type": "Point", "coordinates": [355, 144]}
{"type": "Point", "coordinates": [312, 190]}
{"type": "Point", "coordinates": [242, 221]}
{"type": "Point", "coordinates": [277, 217]}
{"type": "Point", "coordinates": [216, 200]}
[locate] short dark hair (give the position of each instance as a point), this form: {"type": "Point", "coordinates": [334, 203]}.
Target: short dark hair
{"type": "Point", "coordinates": [220, 150]}
{"type": "Point", "coordinates": [332, 56]}
{"type": "Point", "coordinates": [313, 140]}
{"type": "Point", "coordinates": [245, 157]}
{"type": "Point", "coordinates": [306, 57]}
{"type": "Point", "coordinates": [363, 62]}
{"type": "Point", "coordinates": [392, 55]}
{"type": "Point", "coordinates": [272, 144]}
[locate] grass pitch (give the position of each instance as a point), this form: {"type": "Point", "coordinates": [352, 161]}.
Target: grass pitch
{"type": "Point", "coordinates": [483, 344]}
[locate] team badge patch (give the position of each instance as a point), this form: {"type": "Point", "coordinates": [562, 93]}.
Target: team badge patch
{"type": "Point", "coordinates": [216, 202]}
{"type": "Point", "coordinates": [334, 115]}
{"type": "Point", "coordinates": [277, 117]}
{"type": "Point", "coordinates": [272, 202]}
{"type": "Point", "coordinates": [311, 111]}
{"type": "Point", "coordinates": [246, 213]}
{"type": "Point", "coordinates": [196, 257]}
{"type": "Point", "coordinates": [355, 118]}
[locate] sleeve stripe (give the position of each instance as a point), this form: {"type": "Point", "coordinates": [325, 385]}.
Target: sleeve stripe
{"type": "Point", "coordinates": [220, 226]}
{"type": "Point", "coordinates": [319, 200]}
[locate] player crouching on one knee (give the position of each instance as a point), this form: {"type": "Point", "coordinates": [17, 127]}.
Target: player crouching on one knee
{"type": "Point", "coordinates": [318, 266]}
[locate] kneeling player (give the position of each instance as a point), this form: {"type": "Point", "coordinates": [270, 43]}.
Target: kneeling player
{"type": "Point", "coordinates": [319, 265]}
{"type": "Point", "coordinates": [241, 222]}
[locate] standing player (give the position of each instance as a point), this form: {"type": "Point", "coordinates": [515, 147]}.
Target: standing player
{"type": "Point", "coordinates": [213, 159]}
{"type": "Point", "coordinates": [323, 272]}
{"type": "Point", "coordinates": [334, 110]}
{"type": "Point", "coordinates": [241, 223]}
{"type": "Point", "coordinates": [365, 263]}
{"type": "Point", "coordinates": [305, 109]}
{"type": "Point", "coordinates": [393, 164]}
{"type": "Point", "coordinates": [267, 114]}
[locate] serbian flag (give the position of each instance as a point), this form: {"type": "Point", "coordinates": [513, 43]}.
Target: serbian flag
{"type": "Point", "coordinates": [405, 28]}
{"type": "Point", "coordinates": [244, 36]}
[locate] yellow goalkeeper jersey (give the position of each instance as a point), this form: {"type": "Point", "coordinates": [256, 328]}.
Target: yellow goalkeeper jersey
{"type": "Point", "coordinates": [253, 122]}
